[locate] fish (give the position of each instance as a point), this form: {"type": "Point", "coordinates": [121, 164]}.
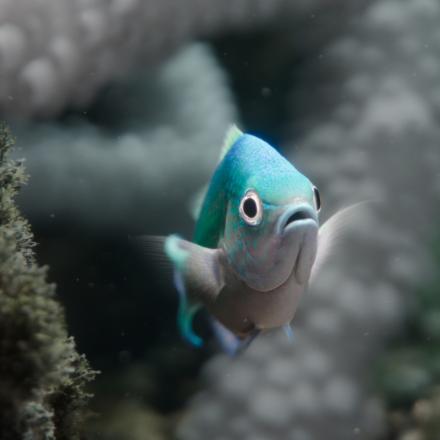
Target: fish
{"type": "Point", "coordinates": [257, 244]}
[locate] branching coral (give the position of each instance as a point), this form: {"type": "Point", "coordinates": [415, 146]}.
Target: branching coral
{"type": "Point", "coordinates": [59, 52]}
{"type": "Point", "coordinates": [42, 377]}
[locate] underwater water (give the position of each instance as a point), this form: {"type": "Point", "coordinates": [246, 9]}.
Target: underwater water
{"type": "Point", "coordinates": [119, 109]}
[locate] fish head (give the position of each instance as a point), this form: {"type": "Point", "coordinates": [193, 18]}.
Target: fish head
{"type": "Point", "coordinates": [271, 228]}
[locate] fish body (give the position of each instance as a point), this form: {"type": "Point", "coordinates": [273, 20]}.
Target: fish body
{"type": "Point", "coordinates": [243, 310]}
{"type": "Point", "coordinates": [256, 245]}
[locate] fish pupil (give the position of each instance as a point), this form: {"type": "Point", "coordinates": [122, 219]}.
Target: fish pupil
{"type": "Point", "coordinates": [250, 208]}
{"type": "Point", "coordinates": [317, 198]}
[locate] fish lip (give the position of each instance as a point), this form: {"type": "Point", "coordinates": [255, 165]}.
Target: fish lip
{"type": "Point", "coordinates": [306, 214]}
{"type": "Point", "coordinates": [284, 233]}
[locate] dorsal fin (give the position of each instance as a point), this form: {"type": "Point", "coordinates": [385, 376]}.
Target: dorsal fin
{"type": "Point", "coordinates": [195, 204]}
{"type": "Point", "coordinates": [196, 201]}
{"type": "Point", "coordinates": [231, 137]}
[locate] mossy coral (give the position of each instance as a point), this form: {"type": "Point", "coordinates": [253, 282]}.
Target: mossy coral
{"type": "Point", "coordinates": [42, 377]}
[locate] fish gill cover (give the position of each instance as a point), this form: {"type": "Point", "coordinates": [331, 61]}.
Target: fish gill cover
{"type": "Point", "coordinates": [42, 377]}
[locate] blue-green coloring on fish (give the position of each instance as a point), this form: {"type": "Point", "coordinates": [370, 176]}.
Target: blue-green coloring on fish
{"type": "Point", "coordinates": [255, 247]}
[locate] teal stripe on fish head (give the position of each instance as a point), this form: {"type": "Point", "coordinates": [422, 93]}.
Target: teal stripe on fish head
{"type": "Point", "coordinates": [264, 253]}
{"type": "Point", "coordinates": [265, 250]}
{"type": "Point", "coordinates": [211, 221]}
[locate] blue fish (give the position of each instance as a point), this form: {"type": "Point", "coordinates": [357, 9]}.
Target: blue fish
{"type": "Point", "coordinates": [257, 243]}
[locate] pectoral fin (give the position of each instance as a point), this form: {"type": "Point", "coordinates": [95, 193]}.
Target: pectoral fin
{"type": "Point", "coordinates": [198, 280]}
{"type": "Point", "coordinates": [186, 311]}
{"type": "Point", "coordinates": [331, 232]}
{"type": "Point", "coordinates": [288, 332]}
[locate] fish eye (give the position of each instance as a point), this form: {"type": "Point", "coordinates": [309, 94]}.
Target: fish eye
{"type": "Point", "coordinates": [317, 198]}
{"type": "Point", "coordinates": [251, 208]}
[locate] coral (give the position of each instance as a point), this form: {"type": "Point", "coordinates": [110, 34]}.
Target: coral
{"type": "Point", "coordinates": [155, 146]}
{"type": "Point", "coordinates": [59, 52]}
{"type": "Point", "coordinates": [366, 115]}
{"type": "Point", "coordinates": [421, 423]}
{"type": "Point", "coordinates": [408, 375]}
{"type": "Point", "coordinates": [42, 377]}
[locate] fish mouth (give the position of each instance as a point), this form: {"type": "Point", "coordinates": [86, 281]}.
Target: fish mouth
{"type": "Point", "coordinates": [298, 225]}
{"type": "Point", "coordinates": [295, 217]}
{"type": "Point", "coordinates": [285, 255]}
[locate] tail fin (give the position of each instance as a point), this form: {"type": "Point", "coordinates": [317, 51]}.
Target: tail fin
{"type": "Point", "coordinates": [198, 279]}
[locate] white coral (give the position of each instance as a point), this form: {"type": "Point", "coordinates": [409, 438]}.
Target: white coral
{"type": "Point", "coordinates": [138, 175]}
{"type": "Point", "coordinates": [55, 53]}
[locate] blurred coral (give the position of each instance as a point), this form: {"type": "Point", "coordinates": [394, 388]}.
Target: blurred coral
{"type": "Point", "coordinates": [58, 53]}
{"type": "Point", "coordinates": [54, 53]}
{"type": "Point", "coordinates": [408, 374]}
{"type": "Point", "coordinates": [130, 420]}
{"type": "Point", "coordinates": [155, 143]}
{"type": "Point", "coordinates": [123, 407]}
{"type": "Point", "coordinates": [42, 377]}
{"type": "Point", "coordinates": [422, 422]}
